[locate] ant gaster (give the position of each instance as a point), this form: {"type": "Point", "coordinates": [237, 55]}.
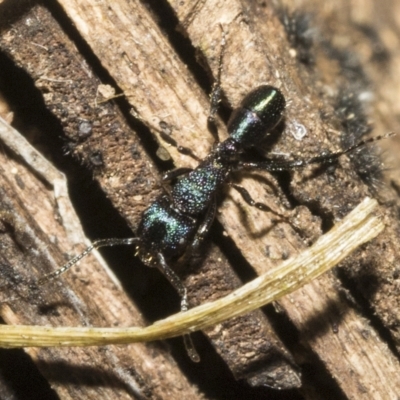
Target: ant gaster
{"type": "Point", "coordinates": [175, 224]}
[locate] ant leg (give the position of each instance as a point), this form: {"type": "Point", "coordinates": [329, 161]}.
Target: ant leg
{"type": "Point", "coordinates": [273, 165]}
{"type": "Point", "coordinates": [215, 96]}
{"type": "Point", "coordinates": [249, 200]}
{"type": "Point", "coordinates": [173, 278]}
{"type": "Point", "coordinates": [263, 207]}
{"type": "Point", "coordinates": [95, 245]}
{"type": "Point", "coordinates": [175, 173]}
{"type": "Point", "coordinates": [190, 349]}
{"type": "Point", "coordinates": [183, 150]}
{"type": "Point", "coordinates": [202, 232]}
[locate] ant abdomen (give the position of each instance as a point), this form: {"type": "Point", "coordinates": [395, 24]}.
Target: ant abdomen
{"type": "Point", "coordinates": [259, 112]}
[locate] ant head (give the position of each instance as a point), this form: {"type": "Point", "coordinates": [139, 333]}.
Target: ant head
{"type": "Point", "coordinates": [259, 112]}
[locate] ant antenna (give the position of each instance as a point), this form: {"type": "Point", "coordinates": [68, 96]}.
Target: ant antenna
{"type": "Point", "coordinates": [335, 155]}
{"type": "Point", "coordinates": [95, 245]}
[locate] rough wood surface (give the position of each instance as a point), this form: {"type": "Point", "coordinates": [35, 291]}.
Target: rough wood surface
{"type": "Point", "coordinates": [125, 178]}
{"type": "Point", "coordinates": [27, 226]}
{"type": "Point", "coordinates": [162, 91]}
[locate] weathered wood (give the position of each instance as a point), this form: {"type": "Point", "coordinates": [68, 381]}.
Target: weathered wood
{"type": "Point", "coordinates": [267, 362]}
{"type": "Point", "coordinates": [304, 85]}
{"type": "Point", "coordinates": [159, 88]}
{"type": "Point", "coordinates": [31, 242]}
{"type": "Point", "coordinates": [313, 90]}
{"type": "Point", "coordinates": [253, 29]}
{"type": "Point", "coordinates": [68, 371]}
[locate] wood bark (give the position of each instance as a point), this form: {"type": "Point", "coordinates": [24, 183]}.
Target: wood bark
{"type": "Point", "coordinates": [327, 59]}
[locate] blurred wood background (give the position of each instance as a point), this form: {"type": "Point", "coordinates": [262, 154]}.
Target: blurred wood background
{"type": "Point", "coordinates": [337, 65]}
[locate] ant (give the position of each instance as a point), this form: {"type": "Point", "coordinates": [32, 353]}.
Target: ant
{"type": "Point", "coordinates": [173, 227]}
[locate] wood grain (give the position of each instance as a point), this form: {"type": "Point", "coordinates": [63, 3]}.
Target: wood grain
{"type": "Point", "coordinates": [125, 38]}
